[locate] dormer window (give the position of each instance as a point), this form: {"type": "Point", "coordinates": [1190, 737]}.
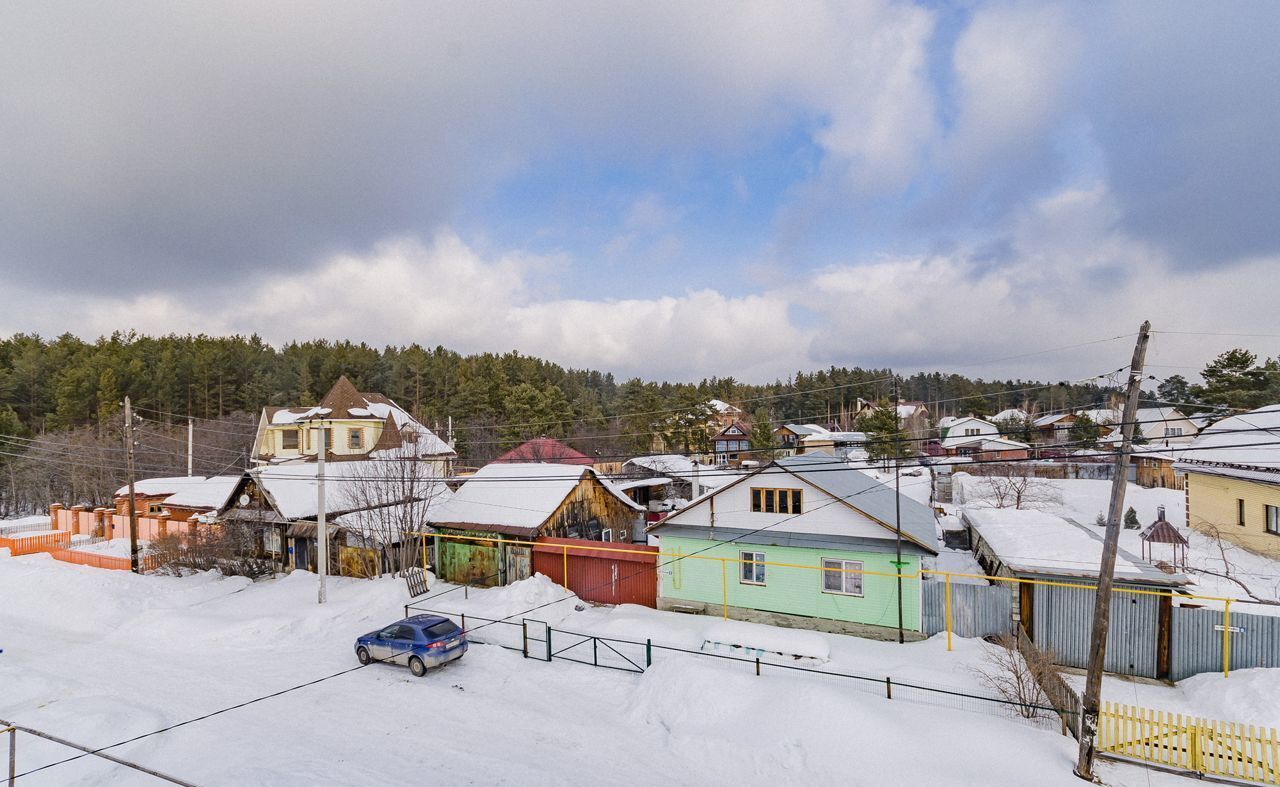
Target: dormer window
{"type": "Point", "coordinates": [355, 439]}
{"type": "Point", "coordinates": [289, 440]}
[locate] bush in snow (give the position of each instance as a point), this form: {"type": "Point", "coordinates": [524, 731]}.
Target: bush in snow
{"type": "Point", "coordinates": [1016, 676]}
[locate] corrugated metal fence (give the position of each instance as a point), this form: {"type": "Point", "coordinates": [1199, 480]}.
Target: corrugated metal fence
{"type": "Point", "coordinates": [1062, 622]}
{"type": "Point", "coordinates": [1197, 641]}
{"type": "Point", "coordinates": [976, 610]}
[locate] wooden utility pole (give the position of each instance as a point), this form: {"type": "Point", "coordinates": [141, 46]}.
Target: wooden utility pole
{"type": "Point", "coordinates": [1106, 572]}
{"type": "Point", "coordinates": [133, 503]}
{"type": "Point", "coordinates": [322, 528]}
{"type": "Point", "coordinates": [897, 502]}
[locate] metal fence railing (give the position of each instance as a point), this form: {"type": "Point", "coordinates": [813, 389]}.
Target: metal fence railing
{"type": "Point", "coordinates": [537, 639]}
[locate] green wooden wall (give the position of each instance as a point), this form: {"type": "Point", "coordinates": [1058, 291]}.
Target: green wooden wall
{"type": "Point", "coordinates": [793, 591]}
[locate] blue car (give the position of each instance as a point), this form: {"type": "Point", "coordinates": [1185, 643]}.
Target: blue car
{"type": "Point", "coordinates": [421, 642]}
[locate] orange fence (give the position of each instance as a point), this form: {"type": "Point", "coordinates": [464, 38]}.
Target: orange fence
{"type": "Point", "coordinates": [96, 560]}
{"type": "Point", "coordinates": [42, 542]}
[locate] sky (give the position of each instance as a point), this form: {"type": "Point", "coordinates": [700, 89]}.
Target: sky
{"type": "Point", "coordinates": [665, 190]}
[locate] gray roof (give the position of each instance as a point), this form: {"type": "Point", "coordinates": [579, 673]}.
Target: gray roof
{"type": "Point", "coordinates": [873, 498]}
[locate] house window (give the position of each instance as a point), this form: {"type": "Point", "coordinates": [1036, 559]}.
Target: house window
{"type": "Point", "coordinates": [606, 534]}
{"type": "Point", "coordinates": [752, 568]}
{"type": "Point", "coordinates": [1173, 431]}
{"type": "Point", "coordinates": [154, 509]}
{"type": "Point", "coordinates": [355, 439]}
{"type": "Point", "coordinates": [1273, 520]}
{"type": "Point", "coordinates": [777, 501]}
{"type": "Point", "coordinates": [972, 432]}
{"type": "Point", "coordinates": [289, 440]}
{"type": "Point", "coordinates": [842, 576]}
{"type": "Point", "coordinates": [1240, 511]}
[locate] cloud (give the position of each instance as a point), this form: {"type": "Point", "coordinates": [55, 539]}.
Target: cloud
{"type": "Point", "coordinates": [149, 144]}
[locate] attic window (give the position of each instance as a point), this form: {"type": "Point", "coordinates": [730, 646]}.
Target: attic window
{"type": "Point", "coordinates": [355, 439]}
{"type": "Point", "coordinates": [776, 501]}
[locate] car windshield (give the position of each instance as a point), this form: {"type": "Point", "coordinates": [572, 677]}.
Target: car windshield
{"type": "Point", "coordinates": [442, 629]}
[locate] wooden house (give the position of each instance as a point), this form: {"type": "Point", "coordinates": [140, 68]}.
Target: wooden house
{"type": "Point", "coordinates": [522, 502]}
{"type": "Point", "coordinates": [732, 444]}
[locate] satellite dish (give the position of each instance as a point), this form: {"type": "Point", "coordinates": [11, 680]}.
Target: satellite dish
{"type": "Point", "coordinates": [244, 500]}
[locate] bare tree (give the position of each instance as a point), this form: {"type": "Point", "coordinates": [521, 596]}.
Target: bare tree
{"type": "Point", "coordinates": [389, 499]}
{"type": "Point", "coordinates": [1224, 564]}
{"type": "Point", "coordinates": [1019, 490]}
{"type": "Point", "coordinates": [1016, 675]}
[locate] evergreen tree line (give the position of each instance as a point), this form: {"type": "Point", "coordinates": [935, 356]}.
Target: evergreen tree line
{"type": "Point", "coordinates": [61, 393]}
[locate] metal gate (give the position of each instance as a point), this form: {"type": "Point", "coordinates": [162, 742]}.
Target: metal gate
{"type": "Point", "coordinates": [976, 610]}
{"type": "Point", "coordinates": [1062, 621]}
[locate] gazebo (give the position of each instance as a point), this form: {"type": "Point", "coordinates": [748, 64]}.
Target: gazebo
{"type": "Point", "coordinates": [1162, 531]}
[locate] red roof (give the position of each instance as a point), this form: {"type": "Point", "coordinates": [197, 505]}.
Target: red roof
{"type": "Point", "coordinates": [544, 449]}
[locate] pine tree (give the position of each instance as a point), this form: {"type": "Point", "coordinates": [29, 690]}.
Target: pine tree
{"type": "Point", "coordinates": [1131, 519]}
{"type": "Point", "coordinates": [763, 442]}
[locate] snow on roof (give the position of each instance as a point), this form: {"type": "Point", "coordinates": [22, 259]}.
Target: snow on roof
{"type": "Point", "coordinates": [805, 429]}
{"type": "Point", "coordinates": [1051, 418]}
{"type": "Point", "coordinates": [722, 407]}
{"type": "Point", "coordinates": [907, 410]}
{"type": "Point", "coordinates": [983, 443]}
{"type": "Point", "coordinates": [835, 437]}
{"type": "Point", "coordinates": [947, 421]}
{"type": "Point", "coordinates": [1242, 446]}
{"type": "Point", "coordinates": [1012, 414]}
{"type": "Point", "coordinates": [1036, 542]}
{"type": "Point", "coordinates": [1102, 415]}
{"type": "Point", "coordinates": [682, 467]}
{"type": "Point", "coordinates": [213, 492]}
{"type": "Point", "coordinates": [154, 487]}
{"type": "Point", "coordinates": [625, 485]}
{"type": "Point", "coordinates": [292, 486]}
{"type": "Point", "coordinates": [520, 495]}
{"type": "Point", "coordinates": [290, 415]}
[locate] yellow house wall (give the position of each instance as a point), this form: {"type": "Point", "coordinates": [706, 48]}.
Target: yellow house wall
{"type": "Point", "coordinates": [339, 438]}
{"type": "Point", "coordinates": [1211, 506]}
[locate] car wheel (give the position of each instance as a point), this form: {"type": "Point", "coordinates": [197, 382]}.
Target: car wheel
{"type": "Point", "coordinates": [417, 667]}
{"type": "Point", "coordinates": [362, 653]}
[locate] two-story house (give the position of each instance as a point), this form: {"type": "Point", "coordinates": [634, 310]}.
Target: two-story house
{"type": "Point", "coordinates": [359, 426]}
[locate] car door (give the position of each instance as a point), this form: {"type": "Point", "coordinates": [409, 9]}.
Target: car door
{"type": "Point", "coordinates": [400, 645]}
{"type": "Point", "coordinates": [380, 648]}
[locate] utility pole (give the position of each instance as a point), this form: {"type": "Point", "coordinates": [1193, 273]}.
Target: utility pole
{"type": "Point", "coordinates": [191, 435]}
{"type": "Point", "coordinates": [133, 503]}
{"type": "Point", "coordinates": [1106, 572]}
{"type": "Point", "coordinates": [322, 529]}
{"type": "Point", "coordinates": [897, 503]}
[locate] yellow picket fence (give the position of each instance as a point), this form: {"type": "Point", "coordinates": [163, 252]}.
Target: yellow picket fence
{"type": "Point", "coordinates": [1206, 746]}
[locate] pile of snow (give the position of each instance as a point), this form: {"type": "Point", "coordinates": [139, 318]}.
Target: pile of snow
{"type": "Point", "coordinates": [536, 597]}
{"type": "Point", "coordinates": [37, 522]}
{"type": "Point", "coordinates": [750, 640]}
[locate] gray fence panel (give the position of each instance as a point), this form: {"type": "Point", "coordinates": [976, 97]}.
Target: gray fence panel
{"type": "Point", "coordinates": [1197, 641]}
{"type": "Point", "coordinates": [976, 610]}
{"type": "Point", "coordinates": [1063, 620]}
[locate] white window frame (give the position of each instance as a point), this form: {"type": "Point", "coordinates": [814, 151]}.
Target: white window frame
{"type": "Point", "coordinates": [606, 534]}
{"type": "Point", "coordinates": [846, 570]}
{"type": "Point", "coordinates": [756, 563]}
{"type": "Point", "coordinates": [1173, 431]}
{"type": "Point", "coordinates": [355, 439]}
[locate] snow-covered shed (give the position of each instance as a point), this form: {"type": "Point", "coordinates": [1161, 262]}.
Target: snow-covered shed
{"type": "Point", "coordinates": [522, 502]}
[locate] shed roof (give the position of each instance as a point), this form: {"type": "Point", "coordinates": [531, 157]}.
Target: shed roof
{"type": "Point", "coordinates": [1031, 542]}
{"type": "Point", "coordinates": [520, 495]}
{"type": "Point", "coordinates": [213, 493]}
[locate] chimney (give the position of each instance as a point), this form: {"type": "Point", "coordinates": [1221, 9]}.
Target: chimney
{"type": "Point", "coordinates": [1159, 513]}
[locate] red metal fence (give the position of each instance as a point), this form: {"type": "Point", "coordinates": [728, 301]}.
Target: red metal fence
{"type": "Point", "coordinates": [600, 572]}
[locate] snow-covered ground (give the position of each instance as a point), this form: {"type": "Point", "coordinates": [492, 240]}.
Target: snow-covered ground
{"type": "Point", "coordinates": [100, 656]}
{"type": "Point", "coordinates": [116, 547]}
{"type": "Point", "coordinates": [1249, 696]}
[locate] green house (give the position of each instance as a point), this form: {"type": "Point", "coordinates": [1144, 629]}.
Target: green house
{"type": "Point", "coordinates": [806, 542]}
